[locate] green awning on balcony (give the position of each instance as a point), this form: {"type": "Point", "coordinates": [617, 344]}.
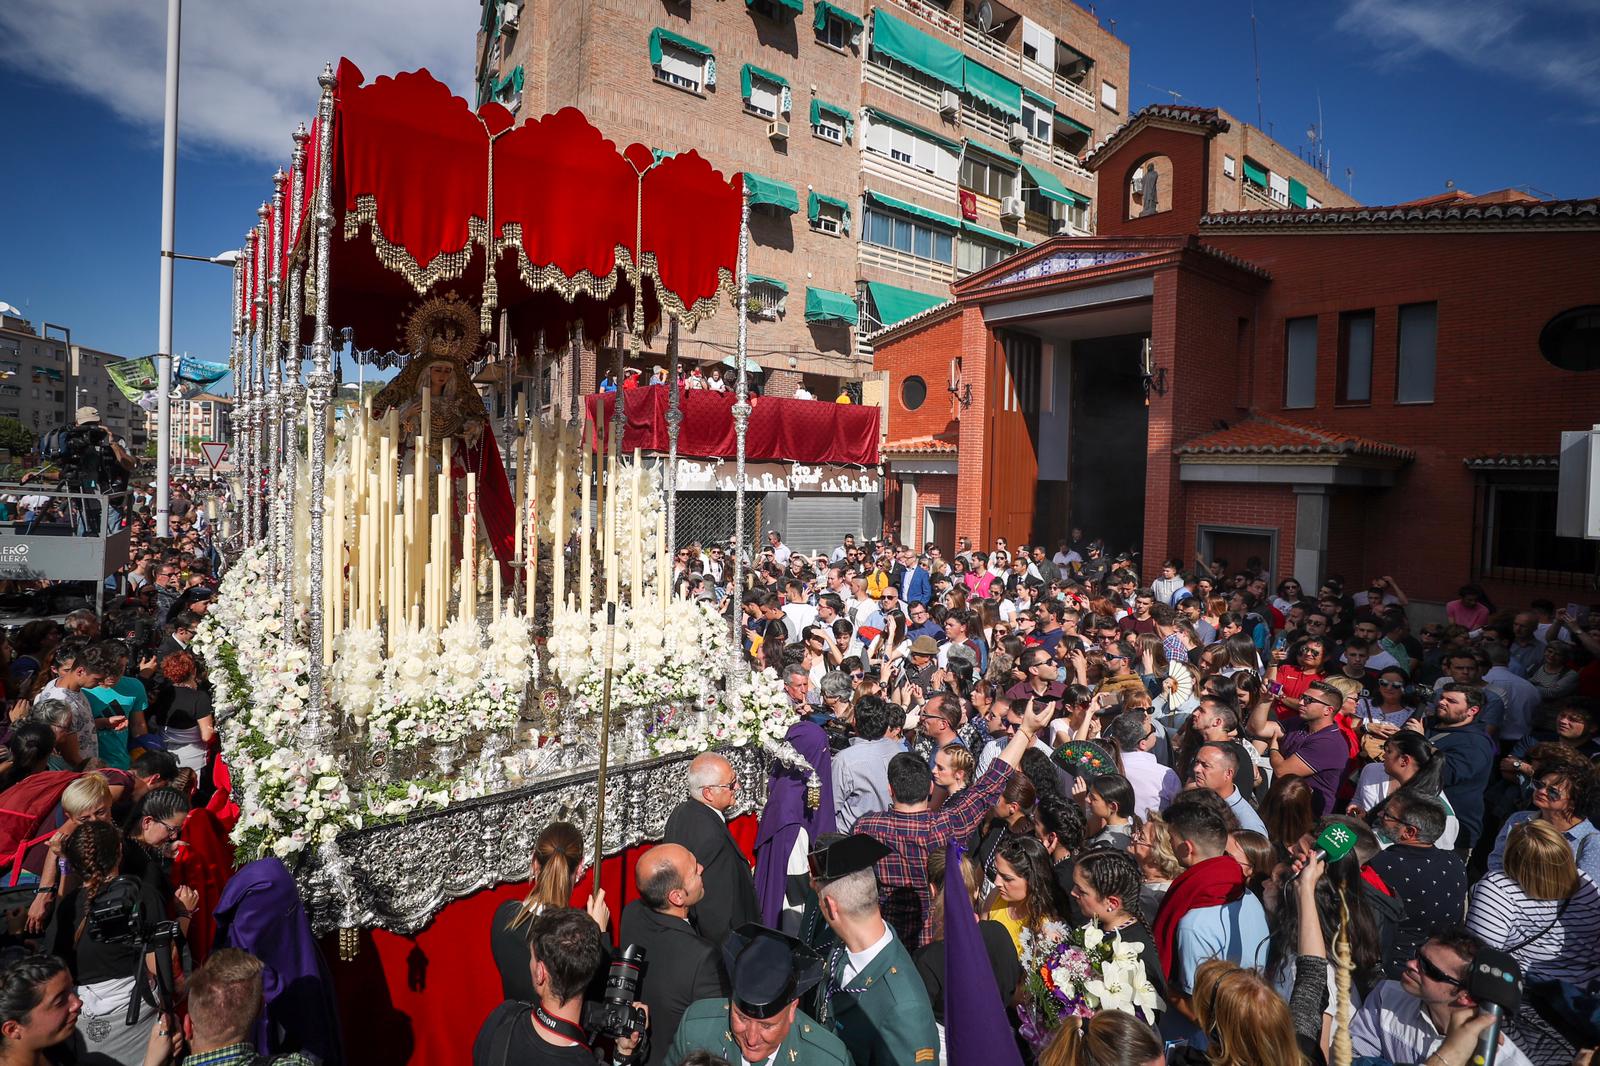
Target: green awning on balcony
{"type": "Point", "coordinates": [973, 142]}
{"type": "Point", "coordinates": [1254, 172]}
{"type": "Point", "coordinates": [923, 52]}
{"type": "Point", "coordinates": [1076, 126]}
{"type": "Point", "coordinates": [750, 70]}
{"type": "Point", "coordinates": [1039, 101]}
{"type": "Point", "coordinates": [659, 35]}
{"type": "Point", "coordinates": [827, 306]}
{"type": "Point", "coordinates": [975, 230]}
{"type": "Point", "coordinates": [814, 204]}
{"type": "Point", "coordinates": [994, 89]}
{"type": "Point", "coordinates": [771, 283]}
{"type": "Point", "coordinates": [895, 304]}
{"type": "Point", "coordinates": [913, 210]}
{"type": "Point", "coordinates": [772, 192]}
{"type": "Point", "coordinates": [1297, 193]}
{"type": "Point", "coordinates": [794, 7]}
{"type": "Point", "coordinates": [912, 128]}
{"type": "Point", "coordinates": [826, 10]}
{"type": "Point", "coordinates": [1048, 184]}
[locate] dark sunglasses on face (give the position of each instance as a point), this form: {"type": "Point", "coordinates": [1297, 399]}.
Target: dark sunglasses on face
{"type": "Point", "coordinates": [1391, 684]}
{"type": "Point", "coordinates": [1553, 791]}
{"type": "Point", "coordinates": [1433, 973]}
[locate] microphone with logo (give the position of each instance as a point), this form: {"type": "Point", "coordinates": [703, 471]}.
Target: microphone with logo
{"type": "Point", "coordinates": [1333, 843]}
{"type": "Point", "coordinates": [1495, 980]}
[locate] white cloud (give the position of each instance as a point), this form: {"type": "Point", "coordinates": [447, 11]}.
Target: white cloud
{"type": "Point", "coordinates": [249, 70]}
{"type": "Point", "coordinates": [1553, 42]}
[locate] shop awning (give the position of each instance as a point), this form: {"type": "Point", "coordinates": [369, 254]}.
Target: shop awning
{"type": "Point", "coordinates": [994, 89]}
{"type": "Point", "coordinates": [772, 192]}
{"type": "Point", "coordinates": [659, 35]}
{"type": "Point", "coordinates": [750, 70]}
{"type": "Point", "coordinates": [912, 128]}
{"type": "Point", "coordinates": [975, 230]}
{"type": "Point", "coordinates": [913, 210]}
{"type": "Point", "coordinates": [1039, 101]}
{"type": "Point", "coordinates": [1004, 157]}
{"type": "Point", "coordinates": [794, 7]}
{"type": "Point", "coordinates": [1255, 172]}
{"type": "Point", "coordinates": [1297, 193]}
{"type": "Point", "coordinates": [1048, 184]}
{"type": "Point", "coordinates": [826, 10]}
{"type": "Point", "coordinates": [825, 305]}
{"type": "Point", "coordinates": [895, 304]}
{"type": "Point", "coordinates": [1077, 127]}
{"type": "Point", "coordinates": [906, 44]}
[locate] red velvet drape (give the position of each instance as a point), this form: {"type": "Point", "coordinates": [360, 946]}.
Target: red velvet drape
{"type": "Point", "coordinates": [801, 431]}
{"type": "Point", "coordinates": [421, 999]}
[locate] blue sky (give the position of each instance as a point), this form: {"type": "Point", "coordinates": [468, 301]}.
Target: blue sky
{"type": "Point", "coordinates": [1413, 92]}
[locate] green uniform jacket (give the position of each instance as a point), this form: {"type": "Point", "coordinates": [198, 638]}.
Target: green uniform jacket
{"type": "Point", "coordinates": [883, 1014]}
{"type": "Point", "coordinates": [705, 1028]}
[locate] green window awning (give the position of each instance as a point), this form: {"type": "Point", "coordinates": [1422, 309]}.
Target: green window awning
{"type": "Point", "coordinates": [827, 306]}
{"type": "Point", "coordinates": [658, 35]}
{"type": "Point", "coordinates": [826, 11]}
{"type": "Point", "coordinates": [912, 128]}
{"type": "Point", "coordinates": [1077, 126]}
{"type": "Point", "coordinates": [843, 114]}
{"type": "Point", "coordinates": [1254, 172]}
{"type": "Point", "coordinates": [913, 210]}
{"type": "Point", "coordinates": [814, 204]}
{"type": "Point", "coordinates": [895, 304]}
{"type": "Point", "coordinates": [750, 70]}
{"type": "Point", "coordinates": [772, 192]}
{"type": "Point", "coordinates": [923, 52]}
{"type": "Point", "coordinates": [1297, 193]}
{"type": "Point", "coordinates": [1048, 184]}
{"type": "Point", "coordinates": [973, 142]}
{"type": "Point", "coordinates": [1037, 100]}
{"type": "Point", "coordinates": [771, 283]}
{"type": "Point", "coordinates": [793, 7]}
{"type": "Point", "coordinates": [976, 230]}
{"type": "Point", "coordinates": [994, 89]}
{"type": "Point", "coordinates": [511, 81]}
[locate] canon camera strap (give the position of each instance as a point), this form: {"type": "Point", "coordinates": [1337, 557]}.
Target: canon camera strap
{"type": "Point", "coordinates": [559, 1027]}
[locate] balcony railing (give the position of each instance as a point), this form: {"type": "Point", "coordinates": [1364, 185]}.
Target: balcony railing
{"type": "Point", "coordinates": [880, 166]}
{"type": "Point", "coordinates": [1064, 159]}
{"type": "Point", "coordinates": [984, 123]}
{"type": "Point", "coordinates": [1260, 195]}
{"type": "Point", "coordinates": [883, 77]}
{"type": "Point", "coordinates": [932, 15]}
{"type": "Point", "coordinates": [989, 46]}
{"type": "Point", "coordinates": [905, 263]}
{"type": "Point", "coordinates": [1075, 92]}
{"type": "Point", "coordinates": [1038, 72]}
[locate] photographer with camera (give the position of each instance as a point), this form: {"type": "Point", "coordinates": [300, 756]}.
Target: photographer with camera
{"type": "Point", "coordinates": [559, 1027]}
{"type": "Point", "coordinates": [91, 460]}
{"type": "Point", "coordinates": [113, 934]}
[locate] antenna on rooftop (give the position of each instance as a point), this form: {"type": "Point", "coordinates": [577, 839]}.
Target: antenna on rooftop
{"type": "Point", "coordinates": [1350, 181]}
{"type": "Point", "coordinates": [1318, 155]}
{"type": "Point", "coordinates": [1255, 48]}
{"type": "Point", "coordinates": [1175, 94]}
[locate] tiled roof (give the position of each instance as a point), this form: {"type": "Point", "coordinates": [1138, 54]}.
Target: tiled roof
{"type": "Point", "coordinates": [1454, 212]}
{"type": "Point", "coordinates": [1207, 117]}
{"type": "Point", "coordinates": [1512, 461]}
{"type": "Point", "coordinates": [926, 445]}
{"type": "Point", "coordinates": [1260, 435]}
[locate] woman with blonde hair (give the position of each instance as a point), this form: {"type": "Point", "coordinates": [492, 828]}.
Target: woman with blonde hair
{"type": "Point", "coordinates": [557, 861]}
{"type": "Point", "coordinates": [1109, 1038]}
{"type": "Point", "coordinates": [1151, 847]}
{"type": "Point", "coordinates": [1245, 1021]}
{"type": "Point", "coordinates": [1544, 912]}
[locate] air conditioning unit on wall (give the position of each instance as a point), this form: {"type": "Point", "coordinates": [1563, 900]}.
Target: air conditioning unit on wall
{"type": "Point", "coordinates": [1011, 207]}
{"type": "Point", "coordinates": [949, 102]}
{"type": "Point", "coordinates": [778, 131]}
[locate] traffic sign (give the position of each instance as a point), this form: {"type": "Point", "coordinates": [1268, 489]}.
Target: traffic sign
{"type": "Point", "coordinates": [214, 451]}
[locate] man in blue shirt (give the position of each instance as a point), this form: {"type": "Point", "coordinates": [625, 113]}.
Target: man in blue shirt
{"type": "Point", "coordinates": [1469, 756]}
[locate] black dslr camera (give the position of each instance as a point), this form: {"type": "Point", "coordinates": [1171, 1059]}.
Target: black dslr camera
{"type": "Point", "coordinates": [115, 915]}
{"type": "Point", "coordinates": [615, 1015]}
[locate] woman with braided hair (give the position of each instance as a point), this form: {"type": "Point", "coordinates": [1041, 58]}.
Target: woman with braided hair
{"type": "Point", "coordinates": [1106, 884]}
{"type": "Point", "coordinates": [106, 953]}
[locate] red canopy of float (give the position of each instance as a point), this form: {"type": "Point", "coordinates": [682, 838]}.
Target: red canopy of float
{"type": "Point", "coordinates": [798, 431]}
{"type": "Point", "coordinates": [548, 220]}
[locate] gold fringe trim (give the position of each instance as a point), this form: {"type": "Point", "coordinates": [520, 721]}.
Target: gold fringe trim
{"type": "Point", "coordinates": [446, 266]}
{"type": "Point", "coordinates": [549, 278]}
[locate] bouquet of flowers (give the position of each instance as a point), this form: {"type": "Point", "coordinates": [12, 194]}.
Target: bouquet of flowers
{"type": "Point", "coordinates": [1076, 973]}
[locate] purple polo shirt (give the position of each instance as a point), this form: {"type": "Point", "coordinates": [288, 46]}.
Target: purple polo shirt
{"type": "Point", "coordinates": [1328, 753]}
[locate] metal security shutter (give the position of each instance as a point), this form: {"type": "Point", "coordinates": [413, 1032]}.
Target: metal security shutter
{"type": "Point", "coordinates": [818, 521]}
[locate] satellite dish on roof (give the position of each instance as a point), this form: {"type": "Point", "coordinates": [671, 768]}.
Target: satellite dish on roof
{"type": "Point", "coordinates": [985, 16]}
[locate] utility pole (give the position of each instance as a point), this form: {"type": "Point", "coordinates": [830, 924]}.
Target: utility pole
{"type": "Point", "coordinates": [169, 198]}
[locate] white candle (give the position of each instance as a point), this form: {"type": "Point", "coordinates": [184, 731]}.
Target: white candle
{"type": "Point", "coordinates": [469, 549]}
{"type": "Point", "coordinates": [636, 532]}
{"type": "Point", "coordinates": [663, 564]}
{"type": "Point", "coordinates": [585, 532]}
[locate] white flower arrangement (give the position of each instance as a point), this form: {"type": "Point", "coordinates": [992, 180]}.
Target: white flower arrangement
{"type": "Point", "coordinates": [444, 689]}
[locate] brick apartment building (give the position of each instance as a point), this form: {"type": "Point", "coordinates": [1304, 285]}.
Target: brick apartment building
{"type": "Point", "coordinates": [1335, 390]}
{"type": "Point", "coordinates": [45, 378]}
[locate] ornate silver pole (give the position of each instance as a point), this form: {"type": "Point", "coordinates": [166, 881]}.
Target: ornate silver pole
{"type": "Point", "coordinates": [293, 393]}
{"type": "Point", "coordinates": [669, 484]}
{"type": "Point", "coordinates": [318, 728]}
{"type": "Point", "coordinates": [277, 554]}
{"type": "Point", "coordinates": [256, 356]}
{"type": "Point", "coordinates": [741, 422]}
{"type": "Point", "coordinates": [236, 368]}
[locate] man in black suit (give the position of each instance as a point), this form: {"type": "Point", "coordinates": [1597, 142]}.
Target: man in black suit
{"type": "Point", "coordinates": [680, 965]}
{"type": "Point", "coordinates": [700, 824]}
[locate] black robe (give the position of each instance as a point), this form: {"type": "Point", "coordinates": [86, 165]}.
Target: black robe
{"type": "Point", "coordinates": [730, 888]}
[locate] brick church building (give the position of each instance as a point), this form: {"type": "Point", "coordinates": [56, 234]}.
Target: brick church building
{"type": "Point", "coordinates": [1355, 391]}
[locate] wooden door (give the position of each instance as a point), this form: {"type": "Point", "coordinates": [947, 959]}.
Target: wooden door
{"type": "Point", "coordinates": [1013, 459]}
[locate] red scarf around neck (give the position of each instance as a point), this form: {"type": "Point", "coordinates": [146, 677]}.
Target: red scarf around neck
{"type": "Point", "coordinates": [1210, 883]}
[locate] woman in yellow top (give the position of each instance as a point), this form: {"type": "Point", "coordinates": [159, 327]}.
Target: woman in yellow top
{"type": "Point", "coordinates": [878, 580]}
{"type": "Point", "coordinates": [1026, 894]}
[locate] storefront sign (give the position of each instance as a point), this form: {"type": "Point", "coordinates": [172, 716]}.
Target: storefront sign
{"type": "Point", "coordinates": [720, 475]}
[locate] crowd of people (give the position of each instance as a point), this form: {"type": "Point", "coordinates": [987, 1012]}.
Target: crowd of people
{"type": "Point", "coordinates": [126, 939]}
{"type": "Point", "coordinates": [1158, 755]}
